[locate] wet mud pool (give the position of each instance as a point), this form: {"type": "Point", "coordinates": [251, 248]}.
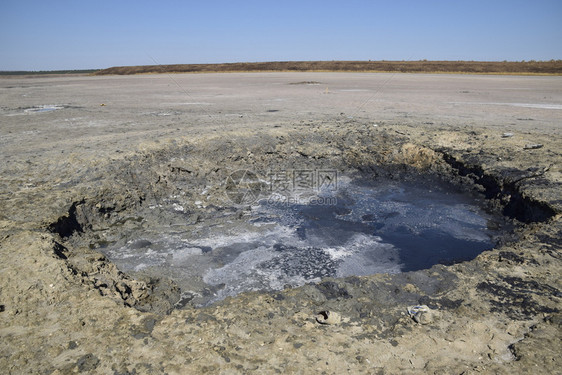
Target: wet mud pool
{"type": "Point", "coordinates": [351, 228]}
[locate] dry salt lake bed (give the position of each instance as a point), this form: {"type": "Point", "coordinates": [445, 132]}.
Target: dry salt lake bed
{"type": "Point", "coordinates": [280, 222]}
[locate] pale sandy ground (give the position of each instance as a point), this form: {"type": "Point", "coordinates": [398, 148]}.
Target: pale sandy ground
{"type": "Point", "coordinates": [54, 320]}
{"type": "Point", "coordinates": [150, 106]}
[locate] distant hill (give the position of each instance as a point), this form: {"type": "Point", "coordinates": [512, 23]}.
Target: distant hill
{"type": "Point", "coordinates": [474, 67]}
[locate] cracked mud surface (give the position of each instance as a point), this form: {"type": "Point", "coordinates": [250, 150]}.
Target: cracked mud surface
{"type": "Point", "coordinates": [81, 175]}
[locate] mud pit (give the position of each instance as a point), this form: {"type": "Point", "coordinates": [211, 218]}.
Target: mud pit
{"type": "Point", "coordinates": [329, 226]}
{"type": "Point", "coordinates": [86, 178]}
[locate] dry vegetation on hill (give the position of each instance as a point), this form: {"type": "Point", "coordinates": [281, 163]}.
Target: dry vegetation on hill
{"type": "Point", "coordinates": [478, 67]}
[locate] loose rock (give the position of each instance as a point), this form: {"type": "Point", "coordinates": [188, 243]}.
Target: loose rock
{"type": "Point", "coordinates": [328, 317]}
{"type": "Point", "coordinates": [422, 314]}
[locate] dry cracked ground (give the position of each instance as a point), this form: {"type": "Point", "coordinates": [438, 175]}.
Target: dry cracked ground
{"type": "Point", "coordinates": [87, 161]}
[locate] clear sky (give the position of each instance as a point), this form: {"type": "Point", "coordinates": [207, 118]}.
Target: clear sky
{"type": "Point", "coordinates": [77, 34]}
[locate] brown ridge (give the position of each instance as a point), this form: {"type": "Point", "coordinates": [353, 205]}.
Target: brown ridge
{"type": "Point", "coordinates": [471, 67]}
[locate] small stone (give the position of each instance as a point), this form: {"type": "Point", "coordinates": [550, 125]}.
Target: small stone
{"type": "Point", "coordinates": [507, 135]}
{"type": "Point", "coordinates": [532, 146]}
{"type": "Point", "coordinates": [328, 317]}
{"type": "Point", "coordinates": [423, 317]}
{"type": "Point", "coordinates": [422, 314]}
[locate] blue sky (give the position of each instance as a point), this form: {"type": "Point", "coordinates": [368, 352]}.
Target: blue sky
{"type": "Point", "coordinates": [47, 35]}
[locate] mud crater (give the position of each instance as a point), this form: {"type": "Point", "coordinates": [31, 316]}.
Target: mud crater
{"type": "Point", "coordinates": [364, 227]}
{"type": "Point", "coordinates": [172, 223]}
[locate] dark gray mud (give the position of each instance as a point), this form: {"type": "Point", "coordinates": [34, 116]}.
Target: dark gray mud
{"type": "Point", "coordinates": [357, 229]}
